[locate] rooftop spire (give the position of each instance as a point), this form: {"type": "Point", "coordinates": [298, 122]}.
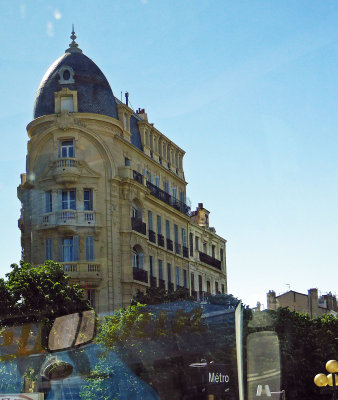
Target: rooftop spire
{"type": "Point", "coordinates": [73, 47]}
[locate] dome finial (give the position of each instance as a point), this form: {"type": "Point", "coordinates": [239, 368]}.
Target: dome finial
{"type": "Point", "coordinates": [73, 47]}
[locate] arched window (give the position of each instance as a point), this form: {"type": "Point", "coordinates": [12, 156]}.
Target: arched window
{"type": "Point", "coordinates": [136, 209]}
{"type": "Point", "coordinates": [138, 257]}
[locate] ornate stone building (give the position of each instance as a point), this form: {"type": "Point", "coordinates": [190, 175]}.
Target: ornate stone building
{"type": "Point", "coordinates": [104, 194]}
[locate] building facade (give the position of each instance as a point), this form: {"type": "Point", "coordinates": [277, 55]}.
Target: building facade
{"type": "Point", "coordinates": [104, 194]}
{"type": "Point", "coordinates": [304, 303]}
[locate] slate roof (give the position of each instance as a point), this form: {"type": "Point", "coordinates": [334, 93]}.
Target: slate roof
{"type": "Point", "coordinates": [93, 90]}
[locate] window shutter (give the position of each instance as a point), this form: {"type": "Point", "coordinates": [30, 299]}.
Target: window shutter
{"type": "Point", "coordinates": [60, 250]}
{"type": "Point", "coordinates": [76, 248]}
{"type": "Point", "coordinates": [141, 260]}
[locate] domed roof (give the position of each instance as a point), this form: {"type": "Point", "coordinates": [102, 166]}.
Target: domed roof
{"type": "Point", "coordinates": [75, 71]}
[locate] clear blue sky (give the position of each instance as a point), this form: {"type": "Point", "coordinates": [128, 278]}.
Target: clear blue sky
{"type": "Point", "coordinates": [247, 88]}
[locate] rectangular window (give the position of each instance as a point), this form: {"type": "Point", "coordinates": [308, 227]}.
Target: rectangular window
{"type": "Point", "coordinates": [150, 220]}
{"type": "Point", "coordinates": [176, 233]}
{"type": "Point", "coordinates": [166, 187]}
{"type": "Point", "coordinates": [184, 237]}
{"type": "Point", "coordinates": [167, 229]}
{"type": "Point", "coordinates": [191, 244]}
{"type": "Point", "coordinates": [157, 181]}
{"type": "Point", "coordinates": [213, 251]}
{"type": "Point", "coordinates": [216, 288]}
{"type": "Point", "coordinates": [204, 248]}
{"type": "Point", "coordinates": [221, 253]}
{"type": "Point", "coordinates": [223, 289]}
{"type": "Point", "coordinates": [48, 202]}
{"type": "Point", "coordinates": [67, 149]}
{"type": "Point", "coordinates": [177, 276]}
{"type": "Point", "coordinates": [160, 269]}
{"type": "Point", "coordinates": [185, 280]}
{"type": "Point", "coordinates": [126, 162]}
{"type": "Point", "coordinates": [151, 178]}
{"type": "Point", "coordinates": [49, 249]}
{"type": "Point", "coordinates": [91, 297]}
{"type": "Point", "coordinates": [159, 225]}
{"type": "Point", "coordinates": [90, 248]}
{"type": "Point", "coordinates": [192, 284]}
{"type": "Point", "coordinates": [182, 197]}
{"type": "Point", "coordinates": [200, 283]}
{"type": "Point", "coordinates": [69, 249]}
{"type": "Point", "coordinates": [67, 103]}
{"type": "Point", "coordinates": [169, 272]}
{"type": "Point", "coordinates": [69, 199]}
{"type": "Point", "coordinates": [196, 243]}
{"type": "Point", "coordinates": [174, 192]}
{"type": "Point", "coordinates": [88, 199]}
{"type": "Point", "coordinates": [151, 266]}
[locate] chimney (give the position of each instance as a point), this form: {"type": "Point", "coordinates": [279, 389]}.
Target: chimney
{"type": "Point", "coordinates": [127, 98]}
{"type": "Point", "coordinates": [271, 300]}
{"type": "Point", "coordinates": [313, 302]}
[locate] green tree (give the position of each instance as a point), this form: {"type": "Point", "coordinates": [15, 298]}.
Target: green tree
{"type": "Point", "coordinates": [38, 292]}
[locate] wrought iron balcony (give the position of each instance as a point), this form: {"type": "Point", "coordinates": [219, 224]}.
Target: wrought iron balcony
{"type": "Point", "coordinates": [138, 177]}
{"type": "Point", "coordinates": [160, 240]}
{"type": "Point", "coordinates": [170, 244]}
{"type": "Point", "coordinates": [166, 198]}
{"type": "Point", "coordinates": [138, 226]}
{"type": "Point", "coordinates": [161, 283]}
{"type": "Point", "coordinates": [185, 252]}
{"type": "Point", "coordinates": [177, 248]}
{"type": "Point", "coordinates": [152, 236]}
{"type": "Point", "coordinates": [140, 275]}
{"type": "Point", "coordinates": [210, 260]}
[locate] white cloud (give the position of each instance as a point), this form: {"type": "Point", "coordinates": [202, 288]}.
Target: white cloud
{"type": "Point", "coordinates": [23, 11]}
{"type": "Point", "coordinates": [50, 29]}
{"type": "Point", "coordinates": [57, 14]}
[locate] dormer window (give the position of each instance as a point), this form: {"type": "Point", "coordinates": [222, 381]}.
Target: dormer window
{"type": "Point", "coordinates": [67, 103]}
{"type": "Point", "coordinates": [66, 74]}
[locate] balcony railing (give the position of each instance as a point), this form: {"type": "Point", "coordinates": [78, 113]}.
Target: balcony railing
{"type": "Point", "coordinates": [68, 217]}
{"type": "Point", "coordinates": [138, 177]}
{"type": "Point", "coordinates": [210, 260]}
{"type": "Point", "coordinates": [170, 244]}
{"type": "Point", "coordinates": [170, 287]}
{"type": "Point", "coordinates": [152, 236]}
{"type": "Point", "coordinates": [166, 198]}
{"type": "Point", "coordinates": [140, 275]}
{"type": "Point", "coordinates": [161, 283]}
{"type": "Point", "coordinates": [177, 248]}
{"type": "Point", "coordinates": [160, 240]}
{"type": "Point", "coordinates": [153, 281]}
{"type": "Point", "coordinates": [185, 252]}
{"type": "Point", "coordinates": [67, 163]}
{"type": "Point", "coordinates": [138, 226]}
{"type": "Point", "coordinates": [83, 271]}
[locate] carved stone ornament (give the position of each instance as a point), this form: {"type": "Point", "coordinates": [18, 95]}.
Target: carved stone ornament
{"type": "Point", "coordinates": [65, 120]}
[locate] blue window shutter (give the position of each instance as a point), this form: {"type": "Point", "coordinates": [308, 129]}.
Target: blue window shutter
{"type": "Point", "coordinates": [60, 250]}
{"type": "Point", "coordinates": [76, 248]}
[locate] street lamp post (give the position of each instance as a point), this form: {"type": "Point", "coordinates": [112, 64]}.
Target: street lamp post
{"type": "Point", "coordinates": [322, 380]}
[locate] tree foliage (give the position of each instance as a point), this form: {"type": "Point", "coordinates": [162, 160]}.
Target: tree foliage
{"type": "Point", "coordinates": [34, 292]}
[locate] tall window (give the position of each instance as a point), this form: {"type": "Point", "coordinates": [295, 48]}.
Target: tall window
{"type": "Point", "coordinates": [221, 253]}
{"type": "Point", "coordinates": [177, 276]}
{"type": "Point", "coordinates": [204, 248]}
{"type": "Point", "coordinates": [49, 249]}
{"type": "Point", "coordinates": [150, 220]}
{"type": "Point", "coordinates": [88, 199]}
{"type": "Point", "coordinates": [91, 297]}
{"type": "Point", "coordinates": [196, 243]}
{"type": "Point", "coordinates": [182, 197]}
{"type": "Point", "coordinates": [160, 269]}
{"type": "Point", "coordinates": [151, 266]}
{"type": "Point", "coordinates": [176, 233]}
{"type": "Point", "coordinates": [200, 283]}
{"type": "Point", "coordinates": [192, 282]}
{"type": "Point", "coordinates": [185, 280]}
{"type": "Point", "coordinates": [90, 248]}
{"type": "Point", "coordinates": [166, 187]}
{"type": "Point", "coordinates": [213, 251]}
{"type": "Point", "coordinates": [216, 288]}
{"type": "Point", "coordinates": [208, 287]}
{"type": "Point", "coordinates": [159, 225]}
{"type": "Point", "coordinates": [157, 181]}
{"type": "Point", "coordinates": [174, 192]}
{"type": "Point", "coordinates": [184, 237]}
{"type": "Point", "coordinates": [169, 272]}
{"type": "Point", "coordinates": [68, 199]}
{"type": "Point", "coordinates": [223, 288]}
{"type": "Point", "coordinates": [167, 229]}
{"type": "Point", "coordinates": [48, 202]}
{"type": "Point", "coordinates": [67, 149]}
{"type": "Point", "coordinates": [138, 257]}
{"type": "Point", "coordinates": [69, 249]}
{"type": "Point", "coordinates": [191, 244]}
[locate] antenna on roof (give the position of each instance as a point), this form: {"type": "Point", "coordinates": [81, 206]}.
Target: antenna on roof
{"type": "Point", "coordinates": [73, 47]}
